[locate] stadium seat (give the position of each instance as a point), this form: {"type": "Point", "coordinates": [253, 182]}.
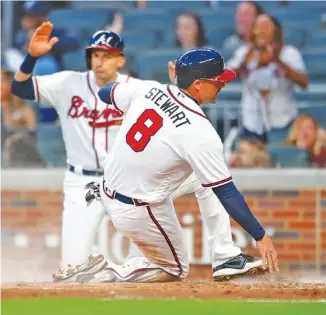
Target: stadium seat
{"type": "Point", "coordinates": [177, 5]}
{"type": "Point", "coordinates": [217, 36]}
{"type": "Point", "coordinates": [118, 5]}
{"type": "Point", "coordinates": [285, 15]}
{"type": "Point", "coordinates": [277, 137]}
{"type": "Point", "coordinates": [315, 62]}
{"type": "Point", "coordinates": [295, 37]}
{"type": "Point", "coordinates": [50, 144]}
{"type": "Point", "coordinates": [311, 94]}
{"type": "Point", "coordinates": [319, 6]}
{"type": "Point", "coordinates": [156, 20]}
{"type": "Point", "coordinates": [92, 19]}
{"type": "Point", "coordinates": [269, 6]}
{"type": "Point", "coordinates": [133, 41]}
{"type": "Point", "coordinates": [74, 61]}
{"type": "Point", "coordinates": [316, 40]}
{"type": "Point", "coordinates": [318, 112]}
{"type": "Point", "coordinates": [288, 156]}
{"type": "Point", "coordinates": [153, 64]}
{"type": "Point", "coordinates": [311, 25]}
{"type": "Point", "coordinates": [212, 19]}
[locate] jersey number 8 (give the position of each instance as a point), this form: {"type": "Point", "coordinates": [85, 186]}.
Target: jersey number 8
{"type": "Point", "coordinates": [141, 132]}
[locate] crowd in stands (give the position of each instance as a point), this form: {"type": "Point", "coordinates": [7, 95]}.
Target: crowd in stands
{"type": "Point", "coordinates": [276, 58]}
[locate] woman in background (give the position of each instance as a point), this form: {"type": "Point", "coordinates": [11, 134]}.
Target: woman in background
{"type": "Point", "coordinates": [305, 133]}
{"type": "Point", "coordinates": [269, 70]}
{"type": "Point", "coordinates": [189, 34]}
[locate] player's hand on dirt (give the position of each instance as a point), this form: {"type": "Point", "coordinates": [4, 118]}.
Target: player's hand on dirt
{"type": "Point", "coordinates": [41, 43]}
{"type": "Point", "coordinates": [268, 254]}
{"type": "Point", "coordinates": [93, 192]}
{"type": "Point", "coordinates": [171, 67]}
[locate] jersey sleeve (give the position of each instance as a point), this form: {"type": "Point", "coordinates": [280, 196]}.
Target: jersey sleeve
{"type": "Point", "coordinates": [122, 94]}
{"type": "Point", "coordinates": [49, 88]}
{"type": "Point", "coordinates": [207, 161]}
{"type": "Point", "coordinates": [293, 58]}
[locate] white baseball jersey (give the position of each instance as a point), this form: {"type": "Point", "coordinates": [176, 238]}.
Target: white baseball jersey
{"type": "Point", "coordinates": [164, 137]}
{"type": "Point", "coordinates": [85, 119]}
{"type": "Point", "coordinates": [257, 114]}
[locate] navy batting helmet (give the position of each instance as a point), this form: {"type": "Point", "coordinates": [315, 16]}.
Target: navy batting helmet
{"type": "Point", "coordinates": [104, 40]}
{"type": "Point", "coordinates": [201, 64]}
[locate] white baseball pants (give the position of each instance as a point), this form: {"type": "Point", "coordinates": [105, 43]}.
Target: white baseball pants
{"type": "Point", "coordinates": [156, 231]}
{"type": "Point", "coordinates": [79, 222]}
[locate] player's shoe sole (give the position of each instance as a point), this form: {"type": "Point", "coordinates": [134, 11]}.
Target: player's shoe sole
{"type": "Point", "coordinates": [81, 273]}
{"type": "Point", "coordinates": [239, 266]}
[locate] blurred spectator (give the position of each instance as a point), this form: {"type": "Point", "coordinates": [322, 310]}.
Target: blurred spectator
{"type": "Point", "coordinates": [117, 24]}
{"type": "Point", "coordinates": [35, 13]}
{"type": "Point", "coordinates": [269, 70]}
{"type": "Point", "coordinates": [250, 153]}
{"type": "Point", "coordinates": [189, 32]}
{"type": "Point", "coordinates": [247, 12]}
{"type": "Point", "coordinates": [141, 4]}
{"type": "Point", "coordinates": [16, 114]}
{"type": "Point", "coordinates": [305, 133]}
{"type": "Point", "coordinates": [17, 127]}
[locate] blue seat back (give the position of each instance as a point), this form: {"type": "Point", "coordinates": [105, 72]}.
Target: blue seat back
{"type": "Point", "coordinates": [74, 61]}
{"type": "Point", "coordinates": [154, 64]}
{"type": "Point", "coordinates": [50, 144]}
{"type": "Point", "coordinates": [288, 156]}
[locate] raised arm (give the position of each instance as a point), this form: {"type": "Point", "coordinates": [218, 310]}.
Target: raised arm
{"type": "Point", "coordinates": [40, 44]}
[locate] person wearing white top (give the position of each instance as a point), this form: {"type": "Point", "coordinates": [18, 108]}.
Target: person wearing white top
{"type": "Point", "coordinates": [269, 70]}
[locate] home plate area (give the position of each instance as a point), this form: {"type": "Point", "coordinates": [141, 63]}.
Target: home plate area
{"type": "Point", "coordinates": [263, 287]}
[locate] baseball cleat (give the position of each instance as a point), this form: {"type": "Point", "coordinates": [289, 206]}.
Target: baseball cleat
{"type": "Point", "coordinates": [81, 273]}
{"type": "Point", "coordinates": [239, 266]}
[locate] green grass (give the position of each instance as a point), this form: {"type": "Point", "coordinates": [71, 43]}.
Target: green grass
{"type": "Point", "coordinates": [56, 306]}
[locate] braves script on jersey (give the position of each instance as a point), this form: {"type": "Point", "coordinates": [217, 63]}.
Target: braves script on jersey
{"type": "Point", "coordinates": [163, 138]}
{"type": "Point", "coordinates": [85, 119]}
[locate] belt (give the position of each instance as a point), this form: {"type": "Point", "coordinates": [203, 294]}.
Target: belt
{"type": "Point", "coordinates": [74, 169]}
{"type": "Point", "coordinates": [122, 198]}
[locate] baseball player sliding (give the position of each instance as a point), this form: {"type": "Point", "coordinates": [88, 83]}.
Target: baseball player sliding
{"type": "Point", "coordinates": [89, 128]}
{"type": "Point", "coordinates": [164, 137]}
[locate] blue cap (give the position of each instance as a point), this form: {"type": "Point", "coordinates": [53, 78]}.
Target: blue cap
{"type": "Point", "coordinates": [201, 64]}
{"type": "Point", "coordinates": [36, 8]}
{"type": "Point", "coordinates": [105, 40]}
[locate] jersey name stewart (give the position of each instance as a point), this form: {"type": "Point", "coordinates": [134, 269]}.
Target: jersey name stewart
{"type": "Point", "coordinates": [164, 137]}
{"type": "Point", "coordinates": [168, 106]}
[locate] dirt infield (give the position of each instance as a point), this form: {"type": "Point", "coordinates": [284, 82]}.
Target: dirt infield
{"type": "Point", "coordinates": [187, 289]}
{"type": "Point", "coordinates": [289, 287]}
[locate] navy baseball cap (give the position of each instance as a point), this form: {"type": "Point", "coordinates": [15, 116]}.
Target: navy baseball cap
{"type": "Point", "coordinates": [36, 8]}
{"type": "Point", "coordinates": [201, 64]}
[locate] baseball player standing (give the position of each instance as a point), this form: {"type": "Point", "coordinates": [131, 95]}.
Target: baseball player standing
{"type": "Point", "coordinates": [89, 127]}
{"type": "Point", "coordinates": [164, 137]}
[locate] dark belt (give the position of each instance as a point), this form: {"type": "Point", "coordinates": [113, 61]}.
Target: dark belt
{"type": "Point", "coordinates": [122, 198]}
{"type": "Point", "coordinates": [98, 173]}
